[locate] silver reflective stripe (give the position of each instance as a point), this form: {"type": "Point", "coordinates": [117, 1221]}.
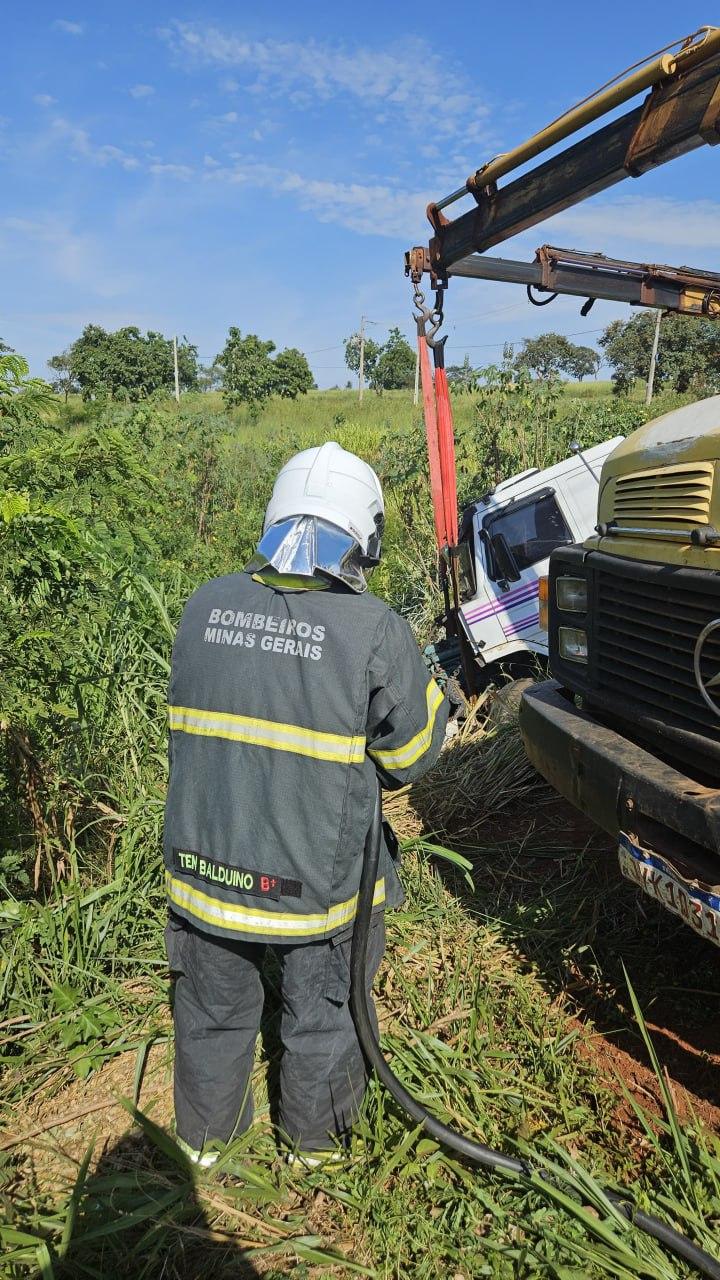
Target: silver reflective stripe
{"type": "Point", "coordinates": [402, 757]}
{"type": "Point", "coordinates": [229, 915]}
{"type": "Point", "coordinates": [318, 745]}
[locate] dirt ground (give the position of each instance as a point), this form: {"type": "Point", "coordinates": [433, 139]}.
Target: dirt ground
{"type": "Point", "coordinates": [59, 1127]}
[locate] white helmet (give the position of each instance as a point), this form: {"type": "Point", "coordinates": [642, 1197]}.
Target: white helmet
{"type": "Point", "coordinates": [334, 485]}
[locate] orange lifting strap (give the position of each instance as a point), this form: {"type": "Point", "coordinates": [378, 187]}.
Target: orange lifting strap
{"type": "Point", "coordinates": [440, 441]}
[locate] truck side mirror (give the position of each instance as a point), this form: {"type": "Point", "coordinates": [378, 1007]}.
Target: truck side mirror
{"type": "Point", "coordinates": [504, 558]}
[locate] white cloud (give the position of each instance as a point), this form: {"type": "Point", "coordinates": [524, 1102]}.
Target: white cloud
{"type": "Point", "coordinates": [649, 220]}
{"type": "Point", "coordinates": [141, 91]}
{"type": "Point", "coordinates": [44, 100]}
{"type": "Point", "coordinates": [70, 28]}
{"type": "Point", "coordinates": [98, 153]}
{"type": "Point", "coordinates": [75, 258]}
{"type": "Point", "coordinates": [633, 226]}
{"type": "Point", "coordinates": [182, 171]}
{"type": "Point", "coordinates": [364, 208]}
{"type": "Point", "coordinates": [230, 117]}
{"type": "Point", "coordinates": [411, 78]}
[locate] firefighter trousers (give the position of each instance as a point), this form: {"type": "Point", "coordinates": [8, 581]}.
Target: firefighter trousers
{"type": "Point", "coordinates": [218, 1006]}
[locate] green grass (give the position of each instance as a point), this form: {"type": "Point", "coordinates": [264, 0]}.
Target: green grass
{"type": "Point", "coordinates": [494, 1000]}
{"type": "Point", "coordinates": [478, 1022]}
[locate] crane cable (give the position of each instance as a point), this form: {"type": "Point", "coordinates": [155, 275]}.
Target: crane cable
{"type": "Point", "coordinates": [471, 1150]}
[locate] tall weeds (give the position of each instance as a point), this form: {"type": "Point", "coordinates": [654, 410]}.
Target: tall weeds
{"type": "Point", "coordinates": [108, 520]}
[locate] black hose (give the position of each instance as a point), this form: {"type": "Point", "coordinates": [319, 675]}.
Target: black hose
{"type": "Point", "coordinates": [475, 1151]}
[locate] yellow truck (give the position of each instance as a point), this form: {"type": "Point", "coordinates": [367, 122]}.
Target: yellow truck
{"type": "Point", "coordinates": [629, 728]}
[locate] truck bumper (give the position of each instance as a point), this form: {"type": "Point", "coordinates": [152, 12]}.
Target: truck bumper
{"type": "Point", "coordinates": [619, 785]}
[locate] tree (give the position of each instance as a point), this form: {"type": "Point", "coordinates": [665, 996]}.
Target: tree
{"type": "Point", "coordinates": [65, 382]}
{"type": "Point", "coordinates": [550, 354]}
{"type": "Point", "coordinates": [22, 399]}
{"type": "Point", "coordinates": [211, 377]}
{"type": "Point", "coordinates": [127, 364]}
{"type": "Point", "coordinates": [251, 376]}
{"type": "Point", "coordinates": [395, 365]}
{"type": "Point", "coordinates": [582, 362]}
{"type": "Point", "coordinates": [371, 355]}
{"type": "Point", "coordinates": [293, 376]}
{"type": "Point", "coordinates": [688, 352]}
{"type": "Point", "coordinates": [462, 377]}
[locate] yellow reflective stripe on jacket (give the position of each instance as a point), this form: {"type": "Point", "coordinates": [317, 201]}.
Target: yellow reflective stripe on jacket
{"type": "Point", "coordinates": [403, 757]}
{"type": "Point", "coordinates": [318, 745]}
{"type": "Point", "coordinates": [229, 915]}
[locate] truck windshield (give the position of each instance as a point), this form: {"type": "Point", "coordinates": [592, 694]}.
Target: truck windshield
{"type": "Point", "coordinates": [532, 529]}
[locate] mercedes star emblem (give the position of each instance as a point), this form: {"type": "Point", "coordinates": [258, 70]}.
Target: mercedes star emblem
{"type": "Point", "coordinates": [714, 682]}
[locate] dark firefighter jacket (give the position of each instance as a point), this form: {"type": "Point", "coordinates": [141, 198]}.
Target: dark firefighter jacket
{"type": "Point", "coordinates": [284, 705]}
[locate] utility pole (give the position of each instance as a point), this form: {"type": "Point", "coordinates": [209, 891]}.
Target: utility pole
{"type": "Point", "coordinates": [361, 366]}
{"type": "Point", "coordinates": [361, 370]}
{"type": "Point", "coordinates": [653, 359]}
{"type": "Point", "coordinates": [417, 376]}
{"type": "Point", "coordinates": [177, 373]}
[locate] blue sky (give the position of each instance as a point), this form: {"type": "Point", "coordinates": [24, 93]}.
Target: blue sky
{"type": "Point", "coordinates": [186, 169]}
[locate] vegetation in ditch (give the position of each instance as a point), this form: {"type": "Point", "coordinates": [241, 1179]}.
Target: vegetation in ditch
{"type": "Point", "coordinates": [108, 519]}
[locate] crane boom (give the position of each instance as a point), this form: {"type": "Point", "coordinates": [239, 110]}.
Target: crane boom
{"type": "Point", "coordinates": [686, 290]}
{"type": "Point", "coordinates": [681, 113]}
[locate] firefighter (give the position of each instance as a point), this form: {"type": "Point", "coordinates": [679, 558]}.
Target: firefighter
{"type": "Point", "coordinates": [291, 689]}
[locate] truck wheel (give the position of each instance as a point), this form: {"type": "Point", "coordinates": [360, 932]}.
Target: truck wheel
{"type": "Point", "coordinates": [505, 705]}
{"type": "Point", "coordinates": [456, 697]}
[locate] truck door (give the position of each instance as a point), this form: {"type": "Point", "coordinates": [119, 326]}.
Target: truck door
{"type": "Point", "coordinates": [525, 532]}
{"type": "Point", "coordinates": [480, 607]}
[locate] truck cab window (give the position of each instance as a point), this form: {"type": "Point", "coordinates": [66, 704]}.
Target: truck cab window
{"type": "Point", "coordinates": [532, 529]}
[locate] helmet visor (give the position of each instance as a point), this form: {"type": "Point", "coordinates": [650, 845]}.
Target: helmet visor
{"type": "Point", "coordinates": [305, 552]}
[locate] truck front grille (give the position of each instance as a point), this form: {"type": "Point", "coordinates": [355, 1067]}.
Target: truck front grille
{"type": "Point", "coordinates": [646, 630]}
{"type": "Point", "coordinates": [668, 496]}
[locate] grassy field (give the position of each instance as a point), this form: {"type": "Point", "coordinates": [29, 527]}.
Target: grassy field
{"type": "Point", "coordinates": [523, 1002]}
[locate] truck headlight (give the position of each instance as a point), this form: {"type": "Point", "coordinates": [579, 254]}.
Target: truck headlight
{"type": "Point", "coordinates": [571, 594]}
{"type": "Point", "coordinates": [572, 644]}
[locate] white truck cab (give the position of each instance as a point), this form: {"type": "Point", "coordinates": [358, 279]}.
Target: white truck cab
{"type": "Point", "coordinates": [506, 539]}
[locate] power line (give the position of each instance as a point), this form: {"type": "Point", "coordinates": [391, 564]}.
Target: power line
{"type": "Point", "coordinates": [498, 311]}
{"type": "Point", "coordinates": [479, 346]}
{"type": "Point", "coordinates": [472, 346]}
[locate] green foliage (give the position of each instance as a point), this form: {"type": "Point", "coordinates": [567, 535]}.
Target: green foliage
{"type": "Point", "coordinates": [126, 364]}
{"type": "Point", "coordinates": [551, 354]}
{"type": "Point", "coordinates": [251, 376]}
{"type": "Point", "coordinates": [688, 357]}
{"type": "Point", "coordinates": [371, 354]}
{"type": "Point", "coordinates": [293, 376]}
{"type": "Point", "coordinates": [463, 377]}
{"type": "Point", "coordinates": [513, 428]}
{"type": "Point", "coordinates": [395, 366]}
{"type": "Point", "coordinates": [247, 370]}
{"type": "Point", "coordinates": [22, 399]}
{"type": "Point", "coordinates": [109, 518]}
{"type": "Point", "coordinates": [388, 366]}
{"type": "Point", "coordinates": [64, 383]}
{"type": "Point", "coordinates": [210, 378]}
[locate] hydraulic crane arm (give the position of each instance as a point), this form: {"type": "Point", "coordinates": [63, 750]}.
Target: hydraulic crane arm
{"type": "Point", "coordinates": [681, 113]}
{"type": "Point", "coordinates": [686, 290]}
